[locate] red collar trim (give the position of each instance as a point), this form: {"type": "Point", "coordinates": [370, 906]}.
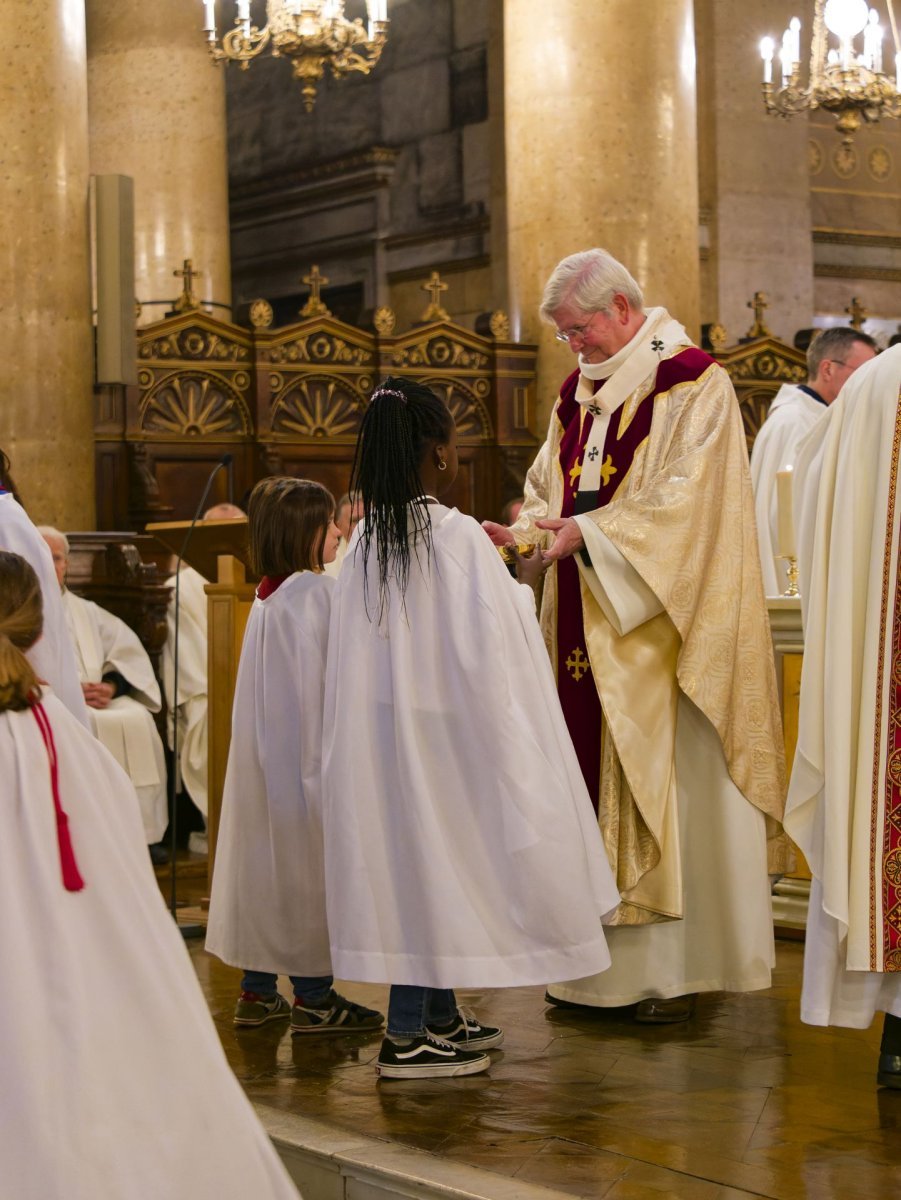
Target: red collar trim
{"type": "Point", "coordinates": [269, 584]}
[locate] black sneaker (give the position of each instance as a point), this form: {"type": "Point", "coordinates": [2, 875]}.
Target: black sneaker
{"type": "Point", "coordinates": [334, 1015]}
{"type": "Point", "coordinates": [467, 1033]}
{"type": "Point", "coordinates": [427, 1057]}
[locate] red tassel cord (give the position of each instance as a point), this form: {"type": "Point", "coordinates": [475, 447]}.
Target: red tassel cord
{"type": "Point", "coordinates": [72, 880]}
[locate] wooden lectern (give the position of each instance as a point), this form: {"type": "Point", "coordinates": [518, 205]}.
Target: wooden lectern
{"type": "Point", "coordinates": [218, 551]}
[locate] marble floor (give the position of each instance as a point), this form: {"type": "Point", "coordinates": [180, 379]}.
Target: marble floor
{"type": "Point", "coordinates": [741, 1101]}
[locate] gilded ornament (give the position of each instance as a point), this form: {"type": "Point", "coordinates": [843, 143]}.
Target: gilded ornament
{"type": "Point", "coordinates": [759, 304]}
{"type": "Point", "coordinates": [384, 321]}
{"type": "Point", "coordinates": [718, 336]}
{"type": "Point", "coordinates": [499, 324]}
{"type": "Point", "coordinates": [815, 157]}
{"type": "Point", "coordinates": [314, 306]}
{"type": "Point", "coordinates": [879, 163]}
{"type": "Point", "coordinates": [845, 161]}
{"type": "Point", "coordinates": [857, 313]}
{"type": "Point", "coordinates": [261, 314]}
{"type": "Point", "coordinates": [317, 407]}
{"type": "Point", "coordinates": [194, 405]}
{"type": "Point", "coordinates": [187, 301]}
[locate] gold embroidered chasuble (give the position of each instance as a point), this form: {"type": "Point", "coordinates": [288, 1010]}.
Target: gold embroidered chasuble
{"type": "Point", "coordinates": [682, 518]}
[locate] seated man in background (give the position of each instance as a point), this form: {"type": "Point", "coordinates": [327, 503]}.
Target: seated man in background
{"type": "Point", "coordinates": [190, 709]}
{"type": "Point", "coordinates": [121, 692]}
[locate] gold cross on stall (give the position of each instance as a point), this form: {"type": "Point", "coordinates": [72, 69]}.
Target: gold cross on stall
{"type": "Point", "coordinates": [759, 304]}
{"type": "Point", "coordinates": [187, 301]}
{"type": "Point", "coordinates": [577, 664]}
{"type": "Point", "coordinates": [607, 469]}
{"type": "Point", "coordinates": [314, 306]}
{"type": "Point", "coordinates": [574, 472]}
{"type": "Point", "coordinates": [857, 313]}
{"type": "Point", "coordinates": [434, 310]}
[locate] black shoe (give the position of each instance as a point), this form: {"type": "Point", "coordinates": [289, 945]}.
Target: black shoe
{"type": "Point", "coordinates": [467, 1033]}
{"type": "Point", "coordinates": [889, 1073]}
{"type": "Point", "coordinates": [159, 855]}
{"type": "Point", "coordinates": [655, 1011]}
{"type": "Point", "coordinates": [427, 1057]}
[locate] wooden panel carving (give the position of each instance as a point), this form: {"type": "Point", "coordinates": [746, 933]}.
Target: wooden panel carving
{"type": "Point", "coordinates": [758, 369]}
{"type": "Point", "coordinates": [187, 403]}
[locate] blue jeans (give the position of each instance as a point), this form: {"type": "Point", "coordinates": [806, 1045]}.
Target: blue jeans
{"type": "Point", "coordinates": [311, 991]}
{"type": "Point", "coordinates": [411, 1009]}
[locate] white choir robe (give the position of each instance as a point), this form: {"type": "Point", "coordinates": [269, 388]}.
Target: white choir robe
{"type": "Point", "coordinates": [724, 941]}
{"type": "Point", "coordinates": [791, 415]}
{"type": "Point", "coordinates": [104, 643]}
{"type": "Point", "coordinates": [267, 909]}
{"type": "Point", "coordinates": [114, 1080]}
{"type": "Point", "coordinates": [461, 847]}
{"type": "Point", "coordinates": [192, 682]}
{"type": "Point", "coordinates": [843, 801]}
{"type": "Point", "coordinates": [51, 656]}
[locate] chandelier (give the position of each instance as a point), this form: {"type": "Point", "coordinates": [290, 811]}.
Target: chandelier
{"type": "Point", "coordinates": [846, 78]}
{"type": "Point", "coordinates": [311, 33]}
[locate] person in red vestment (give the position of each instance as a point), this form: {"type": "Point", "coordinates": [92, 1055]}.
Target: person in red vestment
{"type": "Point", "coordinates": [654, 617]}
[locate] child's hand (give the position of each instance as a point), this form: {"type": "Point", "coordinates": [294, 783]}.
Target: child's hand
{"type": "Point", "coordinates": [529, 569]}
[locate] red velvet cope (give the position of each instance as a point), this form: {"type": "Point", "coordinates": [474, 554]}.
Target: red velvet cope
{"type": "Point", "coordinates": [72, 880]}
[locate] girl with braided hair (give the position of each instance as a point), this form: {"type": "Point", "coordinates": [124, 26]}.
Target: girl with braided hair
{"type": "Point", "coordinates": [461, 846]}
{"type": "Point", "coordinates": [106, 1027]}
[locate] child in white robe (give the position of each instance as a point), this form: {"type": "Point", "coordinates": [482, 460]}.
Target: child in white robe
{"type": "Point", "coordinates": [461, 846]}
{"type": "Point", "coordinates": [267, 909]}
{"type": "Point", "coordinates": [114, 1081]}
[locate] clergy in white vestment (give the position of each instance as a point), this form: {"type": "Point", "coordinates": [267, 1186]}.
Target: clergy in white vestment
{"type": "Point", "coordinates": [832, 357]}
{"type": "Point", "coordinates": [461, 849]}
{"type": "Point", "coordinates": [121, 692]}
{"type": "Point", "coordinates": [190, 706]}
{"type": "Point", "coordinates": [653, 614]}
{"type": "Point", "coordinates": [114, 1080]}
{"type": "Point", "coordinates": [52, 656]}
{"type": "Point", "coordinates": [844, 802]}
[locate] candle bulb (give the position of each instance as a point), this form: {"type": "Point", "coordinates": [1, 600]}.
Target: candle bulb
{"type": "Point", "coordinates": [209, 16]}
{"type": "Point", "coordinates": [785, 56]}
{"type": "Point", "coordinates": [898, 72]}
{"type": "Point", "coordinates": [785, 525]}
{"type": "Point", "coordinates": [794, 27]}
{"type": "Point", "coordinates": [766, 53]}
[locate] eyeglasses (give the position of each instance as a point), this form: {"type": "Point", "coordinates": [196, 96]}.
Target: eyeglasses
{"type": "Point", "coordinates": [574, 331]}
{"type": "Point", "coordinates": [839, 362]}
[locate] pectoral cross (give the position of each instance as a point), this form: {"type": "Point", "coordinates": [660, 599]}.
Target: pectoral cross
{"type": "Point", "coordinates": [857, 313]}
{"type": "Point", "coordinates": [574, 472]}
{"type": "Point", "coordinates": [434, 310]}
{"type": "Point", "coordinates": [187, 301]}
{"type": "Point", "coordinates": [314, 306]}
{"type": "Point", "coordinates": [577, 664]}
{"type": "Point", "coordinates": [607, 469]}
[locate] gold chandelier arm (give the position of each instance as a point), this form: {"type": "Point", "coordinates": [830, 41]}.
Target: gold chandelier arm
{"type": "Point", "coordinates": [236, 47]}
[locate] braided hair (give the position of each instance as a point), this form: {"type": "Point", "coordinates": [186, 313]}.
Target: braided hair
{"type": "Point", "coordinates": [21, 622]}
{"type": "Point", "coordinates": [403, 418]}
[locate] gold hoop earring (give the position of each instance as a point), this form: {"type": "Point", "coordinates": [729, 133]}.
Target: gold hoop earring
{"type": "Point", "coordinates": [442, 465]}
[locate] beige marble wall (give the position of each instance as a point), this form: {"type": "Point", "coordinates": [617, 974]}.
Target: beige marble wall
{"type": "Point", "coordinates": [600, 127]}
{"type": "Point", "coordinates": [46, 410]}
{"type": "Point", "coordinates": [157, 113]}
{"type": "Point", "coordinates": [755, 195]}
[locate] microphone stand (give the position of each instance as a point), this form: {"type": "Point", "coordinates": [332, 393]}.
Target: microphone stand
{"type": "Point", "coordinates": [187, 930]}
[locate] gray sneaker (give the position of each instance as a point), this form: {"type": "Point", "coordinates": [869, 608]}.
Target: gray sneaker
{"type": "Point", "coordinates": [252, 1009]}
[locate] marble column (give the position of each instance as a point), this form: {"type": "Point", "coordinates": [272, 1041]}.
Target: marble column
{"type": "Point", "coordinates": [46, 413]}
{"type": "Point", "coordinates": [157, 113]}
{"type": "Point", "coordinates": [754, 183]}
{"type": "Point", "coordinates": [601, 150]}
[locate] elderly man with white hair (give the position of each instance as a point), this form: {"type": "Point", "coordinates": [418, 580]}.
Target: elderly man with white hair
{"type": "Point", "coordinates": [121, 692]}
{"type": "Point", "coordinates": [653, 613]}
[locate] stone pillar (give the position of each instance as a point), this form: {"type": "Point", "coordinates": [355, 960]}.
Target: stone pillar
{"type": "Point", "coordinates": [754, 183]}
{"type": "Point", "coordinates": [45, 332]}
{"type": "Point", "coordinates": [601, 150]}
{"type": "Point", "coordinates": [157, 113]}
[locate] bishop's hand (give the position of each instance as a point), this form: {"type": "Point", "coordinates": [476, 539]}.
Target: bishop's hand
{"type": "Point", "coordinates": [499, 534]}
{"type": "Point", "coordinates": [567, 537]}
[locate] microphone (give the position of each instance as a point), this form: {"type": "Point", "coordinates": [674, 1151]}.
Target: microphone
{"type": "Point", "coordinates": [186, 930]}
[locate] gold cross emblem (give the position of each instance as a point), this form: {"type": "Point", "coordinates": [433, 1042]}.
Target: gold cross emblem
{"type": "Point", "coordinates": [577, 664]}
{"type": "Point", "coordinates": [607, 469]}
{"type": "Point", "coordinates": [574, 472]}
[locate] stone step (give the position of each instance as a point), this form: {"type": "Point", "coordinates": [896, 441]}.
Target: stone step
{"type": "Point", "coordinates": [332, 1164]}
